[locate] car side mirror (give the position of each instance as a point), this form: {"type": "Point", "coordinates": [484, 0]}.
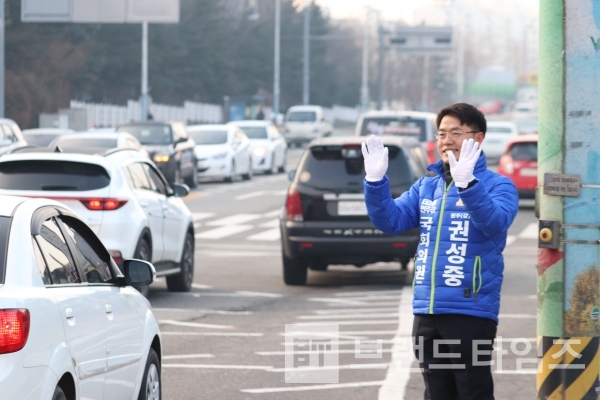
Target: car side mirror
{"type": "Point", "coordinates": [291, 175]}
{"type": "Point", "coordinates": [180, 190]}
{"type": "Point", "coordinates": [138, 272]}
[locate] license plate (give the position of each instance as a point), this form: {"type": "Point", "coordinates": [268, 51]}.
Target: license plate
{"type": "Point", "coordinates": [352, 208]}
{"type": "Point", "coordinates": [528, 172]}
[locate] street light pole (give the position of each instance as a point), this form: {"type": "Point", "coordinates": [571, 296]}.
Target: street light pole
{"type": "Point", "coordinates": [306, 80]}
{"type": "Point", "coordinates": [144, 97]}
{"type": "Point", "coordinates": [364, 90]}
{"type": "Point", "coordinates": [276, 61]}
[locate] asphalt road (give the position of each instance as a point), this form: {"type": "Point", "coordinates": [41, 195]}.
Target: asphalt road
{"type": "Point", "coordinates": [225, 339]}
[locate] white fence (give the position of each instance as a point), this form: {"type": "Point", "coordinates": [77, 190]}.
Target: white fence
{"type": "Point", "coordinates": [108, 115]}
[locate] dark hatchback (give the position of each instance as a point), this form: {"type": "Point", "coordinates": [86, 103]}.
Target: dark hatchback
{"type": "Point", "coordinates": [169, 146]}
{"type": "Point", "coordinates": [325, 220]}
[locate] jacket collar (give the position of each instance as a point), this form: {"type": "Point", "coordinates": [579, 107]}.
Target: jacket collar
{"type": "Point", "coordinates": [480, 166]}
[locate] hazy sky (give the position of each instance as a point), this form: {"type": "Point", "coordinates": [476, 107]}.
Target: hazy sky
{"type": "Point", "coordinates": [390, 9]}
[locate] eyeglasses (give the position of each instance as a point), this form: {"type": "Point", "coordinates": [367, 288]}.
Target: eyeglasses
{"type": "Point", "coordinates": [453, 135]}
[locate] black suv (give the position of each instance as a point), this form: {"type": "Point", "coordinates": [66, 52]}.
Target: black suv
{"type": "Point", "coordinates": [169, 146]}
{"type": "Point", "coordinates": [325, 219]}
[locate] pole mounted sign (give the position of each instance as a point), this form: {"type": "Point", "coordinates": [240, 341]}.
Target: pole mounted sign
{"type": "Point", "coordinates": [423, 39]}
{"type": "Point", "coordinates": [100, 11]}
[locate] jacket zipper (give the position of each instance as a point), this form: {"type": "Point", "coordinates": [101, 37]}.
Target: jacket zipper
{"type": "Point", "coordinates": [477, 276]}
{"type": "Point", "coordinates": [437, 246]}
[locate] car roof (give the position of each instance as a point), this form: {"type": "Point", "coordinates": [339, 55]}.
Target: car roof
{"type": "Point", "coordinates": [47, 131]}
{"type": "Point", "coordinates": [149, 123]}
{"type": "Point", "coordinates": [305, 108]}
{"type": "Point", "coordinates": [208, 127]}
{"type": "Point", "coordinates": [357, 140]}
{"type": "Point", "coordinates": [251, 122]}
{"type": "Point", "coordinates": [389, 113]}
{"type": "Point", "coordinates": [524, 139]}
{"type": "Point", "coordinates": [107, 161]}
{"type": "Point", "coordinates": [93, 135]}
{"type": "Point", "coordinates": [9, 203]}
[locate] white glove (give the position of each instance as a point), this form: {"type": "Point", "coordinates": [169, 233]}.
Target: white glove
{"type": "Point", "coordinates": [376, 159]}
{"type": "Point", "coordinates": [462, 170]}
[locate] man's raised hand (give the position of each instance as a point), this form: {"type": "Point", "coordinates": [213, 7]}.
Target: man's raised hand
{"type": "Point", "coordinates": [462, 170]}
{"type": "Point", "coordinates": [376, 158]}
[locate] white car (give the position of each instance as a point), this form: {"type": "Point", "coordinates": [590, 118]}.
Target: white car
{"type": "Point", "coordinates": [72, 325]}
{"type": "Point", "coordinates": [496, 138]}
{"type": "Point", "coordinates": [305, 123]}
{"type": "Point", "coordinates": [43, 136]}
{"type": "Point", "coordinates": [97, 142]}
{"type": "Point", "coordinates": [269, 148]}
{"type": "Point", "coordinates": [222, 151]}
{"type": "Point", "coordinates": [124, 199]}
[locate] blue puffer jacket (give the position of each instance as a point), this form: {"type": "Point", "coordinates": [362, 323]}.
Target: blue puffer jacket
{"type": "Point", "coordinates": [459, 264]}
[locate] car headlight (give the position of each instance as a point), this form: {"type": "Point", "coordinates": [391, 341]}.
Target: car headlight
{"type": "Point", "coordinates": [219, 156]}
{"type": "Point", "coordinates": [259, 151]}
{"type": "Point", "coordinates": [161, 158]}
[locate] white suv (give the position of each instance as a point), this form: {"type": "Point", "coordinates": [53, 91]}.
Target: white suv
{"type": "Point", "coordinates": [122, 196]}
{"type": "Point", "coordinates": [305, 123]}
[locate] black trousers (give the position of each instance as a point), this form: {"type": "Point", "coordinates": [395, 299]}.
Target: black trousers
{"type": "Point", "coordinates": [452, 370]}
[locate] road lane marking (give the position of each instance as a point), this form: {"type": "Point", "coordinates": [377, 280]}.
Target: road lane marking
{"type": "Point", "coordinates": [218, 366]}
{"type": "Point", "coordinates": [223, 334]}
{"type": "Point", "coordinates": [193, 324]}
{"type": "Point", "coordinates": [510, 239]}
{"type": "Point", "coordinates": [195, 310]}
{"type": "Point", "coordinates": [531, 231]}
{"type": "Point", "coordinates": [374, 292]}
{"type": "Point", "coordinates": [398, 373]}
{"type": "Point", "coordinates": [270, 214]}
{"type": "Point", "coordinates": [333, 367]}
{"type": "Point", "coordinates": [354, 310]}
{"type": "Point", "coordinates": [268, 235]}
{"type": "Point", "coordinates": [197, 216]}
{"type": "Point", "coordinates": [342, 316]}
{"type": "Point", "coordinates": [223, 231]}
{"type": "Point", "coordinates": [380, 322]}
{"type": "Point", "coordinates": [234, 219]}
{"type": "Point", "coordinates": [274, 223]}
{"type": "Point", "coordinates": [351, 351]}
{"type": "Point", "coordinates": [258, 294]}
{"type": "Point", "coordinates": [185, 356]}
{"type": "Point", "coordinates": [363, 304]}
{"type": "Point", "coordinates": [227, 254]}
{"type": "Point", "coordinates": [201, 286]}
{"type": "Point", "coordinates": [250, 195]}
{"type": "Point", "coordinates": [312, 387]}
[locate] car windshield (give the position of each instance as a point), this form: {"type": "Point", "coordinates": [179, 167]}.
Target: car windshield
{"type": "Point", "coordinates": [4, 228]}
{"type": "Point", "coordinates": [209, 137]}
{"type": "Point", "coordinates": [524, 151]}
{"type": "Point", "coordinates": [38, 140]}
{"type": "Point", "coordinates": [342, 167]}
{"type": "Point", "coordinates": [52, 175]}
{"type": "Point", "coordinates": [498, 129]}
{"type": "Point", "coordinates": [302, 116]}
{"type": "Point", "coordinates": [74, 143]}
{"type": "Point", "coordinates": [255, 132]}
{"type": "Point", "coordinates": [398, 126]}
{"type": "Point", "coordinates": [150, 134]}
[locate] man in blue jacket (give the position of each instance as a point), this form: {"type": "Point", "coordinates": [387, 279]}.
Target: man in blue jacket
{"type": "Point", "coordinates": [464, 213]}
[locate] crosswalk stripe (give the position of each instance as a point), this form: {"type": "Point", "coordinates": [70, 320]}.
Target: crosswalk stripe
{"type": "Point", "coordinates": [530, 232]}
{"type": "Point", "coordinates": [234, 219]}
{"type": "Point", "coordinates": [197, 216]}
{"type": "Point", "coordinates": [274, 223]}
{"type": "Point", "coordinates": [250, 195]}
{"type": "Point", "coordinates": [271, 234]}
{"type": "Point", "coordinates": [224, 231]}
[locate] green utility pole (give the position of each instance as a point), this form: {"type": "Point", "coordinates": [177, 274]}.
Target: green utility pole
{"type": "Point", "coordinates": [569, 201]}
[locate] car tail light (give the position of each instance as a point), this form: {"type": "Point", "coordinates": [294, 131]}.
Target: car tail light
{"type": "Point", "coordinates": [431, 152]}
{"type": "Point", "coordinates": [399, 244]}
{"type": "Point", "coordinates": [506, 165]}
{"type": "Point", "coordinates": [14, 329]}
{"type": "Point", "coordinates": [293, 206]}
{"type": "Point", "coordinates": [103, 204]}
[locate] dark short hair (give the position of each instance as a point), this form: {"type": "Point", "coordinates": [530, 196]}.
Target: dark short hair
{"type": "Point", "coordinates": [466, 114]}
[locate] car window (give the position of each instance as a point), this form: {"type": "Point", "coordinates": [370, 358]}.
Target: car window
{"type": "Point", "coordinates": [255, 132]}
{"type": "Point", "coordinates": [499, 129]}
{"type": "Point", "coordinates": [239, 135]}
{"type": "Point", "coordinates": [419, 154]}
{"type": "Point", "coordinates": [209, 137]}
{"type": "Point", "coordinates": [43, 268]}
{"type": "Point", "coordinates": [338, 167]}
{"type": "Point", "coordinates": [4, 229]}
{"type": "Point", "coordinates": [399, 126]}
{"type": "Point", "coordinates": [56, 254]}
{"type": "Point", "coordinates": [149, 134]}
{"type": "Point", "coordinates": [157, 183]}
{"type": "Point", "coordinates": [8, 133]}
{"type": "Point", "coordinates": [88, 252]}
{"type": "Point", "coordinates": [139, 179]}
{"type": "Point", "coordinates": [35, 139]}
{"type": "Point", "coordinates": [16, 131]}
{"type": "Point", "coordinates": [52, 175]}
{"type": "Point", "coordinates": [526, 151]}
{"type": "Point", "coordinates": [302, 116]}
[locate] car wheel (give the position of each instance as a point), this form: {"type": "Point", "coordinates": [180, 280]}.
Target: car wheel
{"type": "Point", "coordinates": [182, 282]}
{"type": "Point", "coordinates": [192, 180]}
{"type": "Point", "coordinates": [59, 394]}
{"type": "Point", "coordinates": [143, 252]}
{"type": "Point", "coordinates": [282, 166]}
{"type": "Point", "coordinates": [248, 175]}
{"type": "Point", "coordinates": [231, 176]}
{"type": "Point", "coordinates": [151, 384]}
{"type": "Point", "coordinates": [294, 271]}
